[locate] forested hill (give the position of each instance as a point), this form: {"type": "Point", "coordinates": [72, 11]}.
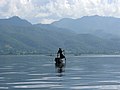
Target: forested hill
{"type": "Point", "coordinates": [18, 36]}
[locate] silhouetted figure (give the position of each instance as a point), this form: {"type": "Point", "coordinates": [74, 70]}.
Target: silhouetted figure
{"type": "Point", "coordinates": [59, 64]}
{"type": "Point", "coordinates": [60, 53]}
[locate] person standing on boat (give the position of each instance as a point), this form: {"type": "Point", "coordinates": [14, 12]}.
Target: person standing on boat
{"type": "Point", "coordinates": [60, 53]}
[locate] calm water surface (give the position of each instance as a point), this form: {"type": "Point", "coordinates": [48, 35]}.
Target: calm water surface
{"type": "Point", "coordinates": [39, 73]}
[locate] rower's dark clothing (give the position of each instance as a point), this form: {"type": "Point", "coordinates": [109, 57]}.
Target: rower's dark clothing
{"type": "Point", "coordinates": [62, 56]}
{"type": "Point", "coordinates": [60, 52]}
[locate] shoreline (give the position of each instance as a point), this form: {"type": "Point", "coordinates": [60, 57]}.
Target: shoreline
{"type": "Point", "coordinates": [69, 55]}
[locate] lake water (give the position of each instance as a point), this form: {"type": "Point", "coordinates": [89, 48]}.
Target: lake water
{"type": "Point", "coordinates": [39, 73]}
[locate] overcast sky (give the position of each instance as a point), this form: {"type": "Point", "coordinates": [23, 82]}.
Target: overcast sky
{"type": "Point", "coordinates": [47, 11]}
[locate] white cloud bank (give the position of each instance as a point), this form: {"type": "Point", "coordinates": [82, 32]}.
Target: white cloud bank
{"type": "Point", "coordinates": [47, 11]}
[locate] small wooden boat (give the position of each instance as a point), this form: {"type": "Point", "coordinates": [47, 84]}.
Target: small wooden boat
{"type": "Point", "coordinates": [60, 64]}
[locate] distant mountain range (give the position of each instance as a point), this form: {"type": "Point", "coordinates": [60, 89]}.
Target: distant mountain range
{"type": "Point", "coordinates": [87, 35]}
{"type": "Point", "coordinates": [90, 24]}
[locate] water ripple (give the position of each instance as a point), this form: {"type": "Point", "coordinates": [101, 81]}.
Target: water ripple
{"type": "Point", "coordinates": [13, 73]}
{"type": "Point", "coordinates": [35, 82]}
{"type": "Point", "coordinates": [4, 88]}
{"type": "Point", "coordinates": [81, 73]}
{"type": "Point", "coordinates": [36, 86]}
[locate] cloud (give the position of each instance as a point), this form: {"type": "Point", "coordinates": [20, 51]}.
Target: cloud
{"type": "Point", "coordinates": [46, 11]}
{"type": "Point", "coordinates": [42, 15]}
{"type": "Point", "coordinates": [2, 3]}
{"type": "Point", "coordinates": [79, 8]}
{"type": "Point", "coordinates": [20, 8]}
{"type": "Point", "coordinates": [47, 21]}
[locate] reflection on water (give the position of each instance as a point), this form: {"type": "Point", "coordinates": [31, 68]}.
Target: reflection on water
{"type": "Point", "coordinates": [60, 68]}
{"type": "Point", "coordinates": [39, 73]}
